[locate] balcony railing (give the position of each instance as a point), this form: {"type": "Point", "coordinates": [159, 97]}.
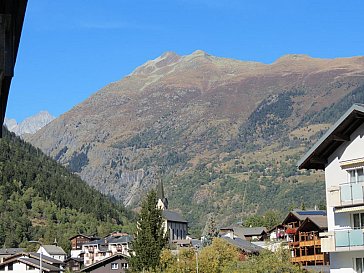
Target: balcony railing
{"type": "Point", "coordinates": [349, 238]}
{"type": "Point", "coordinates": [351, 193]}
{"type": "Point", "coordinates": [342, 240]}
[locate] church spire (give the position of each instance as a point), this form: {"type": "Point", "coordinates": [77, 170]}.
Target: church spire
{"type": "Point", "coordinates": [162, 200]}
{"type": "Point", "coordinates": [160, 190]}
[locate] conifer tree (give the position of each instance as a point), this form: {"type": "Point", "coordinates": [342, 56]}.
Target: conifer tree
{"type": "Point", "coordinates": [210, 231]}
{"type": "Point", "coordinates": [150, 238]}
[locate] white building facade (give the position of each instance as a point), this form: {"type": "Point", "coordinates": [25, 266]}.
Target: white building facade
{"type": "Point", "coordinates": [340, 153]}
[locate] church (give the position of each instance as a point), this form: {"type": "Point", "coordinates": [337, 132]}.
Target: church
{"type": "Point", "coordinates": [174, 224]}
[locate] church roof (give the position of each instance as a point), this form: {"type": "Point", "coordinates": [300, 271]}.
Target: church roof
{"type": "Point", "coordinates": [173, 216]}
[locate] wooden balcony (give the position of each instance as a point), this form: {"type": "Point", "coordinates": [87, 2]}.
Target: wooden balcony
{"type": "Point", "coordinates": [316, 242]}
{"type": "Point", "coordinates": [309, 258]}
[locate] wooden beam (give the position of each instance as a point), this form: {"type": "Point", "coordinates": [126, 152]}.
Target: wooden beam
{"type": "Point", "coordinates": [317, 160]}
{"type": "Point", "coordinates": [340, 137]}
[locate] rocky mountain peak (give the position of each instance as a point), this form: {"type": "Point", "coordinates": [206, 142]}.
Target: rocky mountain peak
{"type": "Point", "coordinates": [29, 125]}
{"type": "Point", "coordinates": [200, 53]}
{"type": "Point", "coordinates": [166, 59]}
{"type": "Point", "coordinates": [293, 57]}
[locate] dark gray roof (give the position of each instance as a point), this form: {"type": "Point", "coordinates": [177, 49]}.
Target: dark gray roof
{"type": "Point", "coordinates": [54, 250]}
{"type": "Point", "coordinates": [254, 231]}
{"type": "Point", "coordinates": [110, 240]}
{"type": "Point", "coordinates": [48, 259]}
{"type": "Point", "coordinates": [319, 220]}
{"type": "Point", "coordinates": [35, 262]}
{"type": "Point", "coordinates": [316, 157]}
{"type": "Point", "coordinates": [90, 237]}
{"type": "Point", "coordinates": [238, 231]}
{"type": "Point", "coordinates": [120, 239]}
{"type": "Point", "coordinates": [95, 242]}
{"type": "Point", "coordinates": [173, 216]}
{"type": "Point", "coordinates": [104, 261]}
{"type": "Point", "coordinates": [244, 245]}
{"type": "Point", "coordinates": [10, 251]}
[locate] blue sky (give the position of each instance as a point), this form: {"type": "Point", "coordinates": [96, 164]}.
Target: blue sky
{"type": "Point", "coordinates": [71, 48]}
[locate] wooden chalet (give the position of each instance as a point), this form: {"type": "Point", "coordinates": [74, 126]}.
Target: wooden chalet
{"type": "Point", "coordinates": [302, 230]}
{"type": "Point", "coordinates": [78, 240]}
{"type": "Point", "coordinates": [306, 246]}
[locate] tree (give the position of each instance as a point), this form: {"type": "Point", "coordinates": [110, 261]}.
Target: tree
{"type": "Point", "coordinates": [150, 238]}
{"type": "Point", "coordinates": [219, 257]}
{"type": "Point", "coordinates": [210, 231]}
{"type": "Point", "coordinates": [270, 262]}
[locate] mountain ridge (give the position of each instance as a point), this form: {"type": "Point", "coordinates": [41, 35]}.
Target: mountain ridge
{"type": "Point", "coordinates": [29, 125]}
{"type": "Point", "coordinates": [194, 116]}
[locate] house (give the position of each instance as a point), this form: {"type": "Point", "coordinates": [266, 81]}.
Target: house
{"type": "Point", "coordinates": [120, 244]}
{"type": "Point", "coordinates": [175, 226]}
{"type": "Point", "coordinates": [77, 241]}
{"type": "Point", "coordinates": [277, 233]}
{"type": "Point", "coordinates": [306, 245]}
{"type": "Point", "coordinates": [234, 231]}
{"type": "Point", "coordinates": [340, 153]}
{"type": "Point", "coordinates": [98, 250]}
{"type": "Point", "coordinates": [7, 252]}
{"type": "Point", "coordinates": [53, 251]}
{"type": "Point", "coordinates": [95, 251]}
{"type": "Point", "coordinates": [255, 233]}
{"type": "Point", "coordinates": [116, 263]}
{"type": "Point", "coordinates": [295, 218]}
{"type": "Point", "coordinates": [245, 233]}
{"type": "Point", "coordinates": [30, 262]}
{"type": "Point", "coordinates": [245, 247]}
{"type": "Point", "coordinates": [73, 264]}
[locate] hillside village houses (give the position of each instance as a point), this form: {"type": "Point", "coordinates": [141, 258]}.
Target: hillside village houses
{"type": "Point", "coordinates": [340, 153]}
{"type": "Point", "coordinates": [23, 262]}
{"type": "Point", "coordinates": [53, 251]}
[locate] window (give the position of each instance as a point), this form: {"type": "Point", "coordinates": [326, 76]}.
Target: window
{"type": "Point", "coordinates": [358, 220]}
{"type": "Point", "coordinates": [124, 265]}
{"type": "Point", "coordinates": [359, 265]}
{"type": "Point", "coordinates": [2, 267]}
{"type": "Point", "coordinates": [114, 266]}
{"type": "Point", "coordinates": [10, 267]}
{"type": "Point", "coordinates": [356, 175]}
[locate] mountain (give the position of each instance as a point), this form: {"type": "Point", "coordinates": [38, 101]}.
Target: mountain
{"type": "Point", "coordinates": [29, 125]}
{"type": "Point", "coordinates": [41, 200]}
{"type": "Point", "coordinates": [223, 134]}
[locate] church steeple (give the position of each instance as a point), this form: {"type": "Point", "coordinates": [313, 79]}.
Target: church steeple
{"type": "Point", "coordinates": [162, 200]}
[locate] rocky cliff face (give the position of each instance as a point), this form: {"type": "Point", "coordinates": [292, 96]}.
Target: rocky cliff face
{"type": "Point", "coordinates": [29, 125]}
{"type": "Point", "coordinates": [180, 115]}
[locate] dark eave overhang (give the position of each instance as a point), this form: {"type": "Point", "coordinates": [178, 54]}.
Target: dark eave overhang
{"type": "Point", "coordinates": [340, 132]}
{"type": "Point", "coordinates": [12, 14]}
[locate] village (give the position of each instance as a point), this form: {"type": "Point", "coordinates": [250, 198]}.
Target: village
{"type": "Point", "coordinates": [298, 232]}
{"type": "Point", "coordinates": [313, 237]}
{"type": "Point", "coordinates": [330, 239]}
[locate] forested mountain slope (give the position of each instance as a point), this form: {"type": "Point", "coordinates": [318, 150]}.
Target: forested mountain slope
{"type": "Point", "coordinates": [224, 134]}
{"type": "Point", "coordinates": [41, 200]}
